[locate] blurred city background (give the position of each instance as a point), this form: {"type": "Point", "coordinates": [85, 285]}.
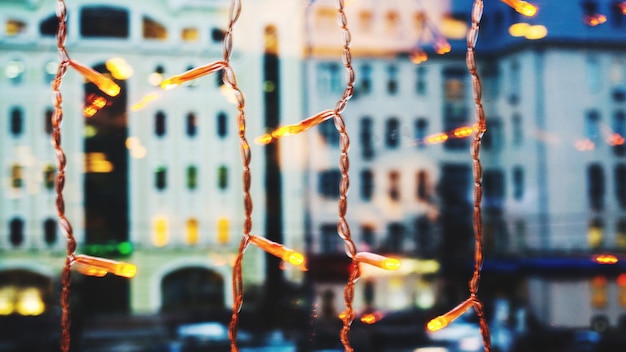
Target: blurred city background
{"type": "Point", "coordinates": [154, 176]}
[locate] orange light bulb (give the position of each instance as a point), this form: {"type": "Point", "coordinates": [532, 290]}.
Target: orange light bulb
{"type": "Point", "coordinates": [105, 84]}
{"type": "Point", "coordinates": [299, 127]}
{"type": "Point", "coordinates": [95, 266]}
{"type": "Point", "coordinates": [278, 250]}
{"type": "Point", "coordinates": [442, 321]}
{"type": "Point", "coordinates": [522, 7]}
{"type": "Point", "coordinates": [378, 260]}
{"type": "Point", "coordinates": [192, 74]}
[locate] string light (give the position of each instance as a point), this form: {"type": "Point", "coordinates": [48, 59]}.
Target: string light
{"type": "Point", "coordinates": [442, 321]}
{"type": "Point", "coordinates": [297, 128]}
{"type": "Point", "coordinates": [105, 84]}
{"type": "Point", "coordinates": [522, 7]}
{"type": "Point", "coordinates": [378, 260]}
{"type": "Point", "coordinates": [192, 74]}
{"type": "Point", "coordinates": [278, 250]}
{"type": "Point", "coordinates": [95, 266]}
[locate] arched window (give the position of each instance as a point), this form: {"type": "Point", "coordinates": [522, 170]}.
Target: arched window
{"type": "Point", "coordinates": [17, 121]}
{"type": "Point", "coordinates": [159, 124]}
{"type": "Point", "coordinates": [160, 178]}
{"type": "Point", "coordinates": [222, 124]}
{"type": "Point", "coordinates": [16, 231]}
{"type": "Point", "coordinates": [192, 124]}
{"type": "Point", "coordinates": [50, 231]}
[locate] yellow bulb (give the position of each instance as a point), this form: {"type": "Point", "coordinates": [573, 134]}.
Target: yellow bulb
{"type": "Point", "coordinates": [442, 321]}
{"type": "Point", "coordinates": [418, 56]}
{"type": "Point", "coordinates": [264, 139]}
{"type": "Point", "coordinates": [90, 270]}
{"type": "Point", "coordinates": [278, 250]}
{"type": "Point", "coordinates": [378, 260]}
{"type": "Point", "coordinates": [462, 132]}
{"type": "Point", "coordinates": [103, 83]}
{"type": "Point", "coordinates": [522, 7]}
{"type": "Point", "coordinates": [99, 266]}
{"type": "Point", "coordinates": [192, 74]}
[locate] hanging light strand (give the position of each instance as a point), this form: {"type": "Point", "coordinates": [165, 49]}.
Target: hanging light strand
{"type": "Point", "coordinates": [57, 120]}
{"type": "Point", "coordinates": [472, 36]}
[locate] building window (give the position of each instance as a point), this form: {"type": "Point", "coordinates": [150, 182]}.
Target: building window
{"type": "Point", "coordinates": [518, 182]}
{"type": "Point", "coordinates": [595, 233]}
{"type": "Point", "coordinates": [517, 135]}
{"type": "Point", "coordinates": [366, 79]}
{"type": "Point", "coordinates": [329, 133]}
{"type": "Point", "coordinates": [424, 238]}
{"type": "Point", "coordinates": [392, 79]}
{"type": "Point", "coordinates": [367, 235]}
{"type": "Point", "coordinates": [192, 177]}
{"type": "Point", "coordinates": [50, 229]}
{"type": "Point", "coordinates": [14, 71]}
{"type": "Point", "coordinates": [493, 139]}
{"type": "Point", "coordinates": [620, 234]}
{"type": "Point", "coordinates": [49, 26]}
{"type": "Point", "coordinates": [17, 122]}
{"type": "Point", "coordinates": [16, 231]}
{"type": "Point", "coordinates": [329, 239]}
{"type": "Point", "coordinates": [394, 185]}
{"type": "Point", "coordinates": [95, 22]}
{"type": "Point", "coordinates": [365, 134]}
{"type": "Point", "coordinates": [395, 237]}
{"type": "Point", "coordinates": [421, 131]}
{"type": "Point", "coordinates": [595, 186]}
{"type": "Point", "coordinates": [328, 78]}
{"type": "Point", "coordinates": [160, 124]}
{"type": "Point", "coordinates": [421, 83]}
{"type": "Point", "coordinates": [493, 183]}
{"type": "Point", "coordinates": [329, 183]}
{"type": "Point", "coordinates": [594, 78]}
{"type": "Point", "coordinates": [48, 120]}
{"type": "Point", "coordinates": [49, 176]}
{"type": "Point", "coordinates": [455, 107]}
{"type": "Point", "coordinates": [160, 177]}
{"type": "Point", "coordinates": [49, 71]}
{"type": "Point", "coordinates": [193, 232]}
{"type": "Point", "coordinates": [620, 185]}
{"type": "Point", "coordinates": [367, 184]}
{"type": "Point", "coordinates": [191, 124]}
{"type": "Point", "coordinates": [14, 27]}
{"type": "Point", "coordinates": [160, 231]}
{"type": "Point", "coordinates": [619, 133]}
{"type": "Point", "coordinates": [422, 189]}
{"type": "Point", "coordinates": [223, 230]}
{"type": "Point", "coordinates": [491, 79]}
{"type": "Point", "coordinates": [222, 177]}
{"type": "Point", "coordinates": [17, 176]}
{"type": "Point", "coordinates": [598, 286]}
{"type": "Point", "coordinates": [152, 29]}
{"type": "Point", "coordinates": [217, 35]}
{"type": "Point", "coordinates": [392, 133]}
{"type": "Point", "coordinates": [190, 34]}
{"type": "Point", "coordinates": [515, 83]}
{"type": "Point", "coordinates": [222, 124]}
{"type": "Point", "coordinates": [592, 127]}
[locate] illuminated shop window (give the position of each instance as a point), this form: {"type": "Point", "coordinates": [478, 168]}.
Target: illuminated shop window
{"type": "Point", "coordinates": [152, 29]}
{"type": "Point", "coordinates": [223, 231]}
{"type": "Point", "coordinates": [50, 229]}
{"type": "Point", "coordinates": [160, 231]}
{"type": "Point", "coordinates": [190, 34]}
{"type": "Point", "coordinates": [193, 232]}
{"type": "Point", "coordinates": [14, 27]}
{"type": "Point", "coordinates": [16, 232]}
{"type": "Point", "coordinates": [595, 233]}
{"type": "Point", "coordinates": [49, 176]}
{"type": "Point", "coordinates": [17, 176]}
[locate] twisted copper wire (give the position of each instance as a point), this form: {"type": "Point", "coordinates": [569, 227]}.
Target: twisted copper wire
{"type": "Point", "coordinates": [230, 79]}
{"type": "Point", "coordinates": [343, 229]}
{"type": "Point", "coordinates": [64, 223]}
{"type": "Point", "coordinates": [472, 36]}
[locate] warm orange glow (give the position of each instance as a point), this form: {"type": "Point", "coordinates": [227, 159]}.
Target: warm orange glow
{"type": "Point", "coordinates": [622, 6]}
{"type": "Point", "coordinates": [523, 7]}
{"type": "Point", "coordinates": [88, 264]}
{"type": "Point", "coordinates": [160, 231]}
{"type": "Point", "coordinates": [463, 132]}
{"type": "Point", "coordinates": [144, 101]}
{"type": "Point", "coordinates": [616, 139]}
{"type": "Point", "coordinates": [119, 68]}
{"type": "Point", "coordinates": [378, 260]}
{"type": "Point", "coordinates": [518, 29]}
{"type": "Point", "coordinates": [594, 20]}
{"type": "Point", "coordinates": [105, 84]}
{"type": "Point", "coordinates": [436, 138]}
{"type": "Point", "coordinates": [605, 259]}
{"type": "Point", "coordinates": [536, 32]}
{"type": "Point", "coordinates": [417, 56]}
{"type": "Point", "coordinates": [371, 318]}
{"type": "Point", "coordinates": [442, 321]}
{"type": "Point", "coordinates": [192, 74]}
{"type": "Point", "coordinates": [278, 250]}
{"type": "Point", "coordinates": [621, 280]}
{"type": "Point", "coordinates": [442, 46]}
{"type": "Point", "coordinates": [300, 127]}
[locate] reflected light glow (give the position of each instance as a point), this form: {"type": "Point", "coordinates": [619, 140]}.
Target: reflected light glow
{"type": "Point", "coordinates": [594, 20]}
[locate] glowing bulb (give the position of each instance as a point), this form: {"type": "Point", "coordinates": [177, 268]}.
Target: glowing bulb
{"type": "Point", "coordinates": [29, 302]}
{"type": "Point", "coordinates": [119, 68]}
{"type": "Point", "coordinates": [192, 74]}
{"type": "Point", "coordinates": [378, 260]}
{"type": "Point", "coordinates": [463, 132]}
{"type": "Point", "coordinates": [606, 259]}
{"type": "Point", "coordinates": [442, 321]}
{"type": "Point", "coordinates": [103, 83]}
{"type": "Point", "coordinates": [418, 56]}
{"type": "Point", "coordinates": [88, 264]}
{"type": "Point", "coordinates": [295, 128]}
{"type": "Point", "coordinates": [371, 318]}
{"type": "Point", "coordinates": [278, 250]}
{"type": "Point", "coordinates": [594, 20]}
{"type": "Point", "coordinates": [437, 138]}
{"type": "Point", "coordinates": [522, 7]}
{"type": "Point", "coordinates": [442, 46]}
